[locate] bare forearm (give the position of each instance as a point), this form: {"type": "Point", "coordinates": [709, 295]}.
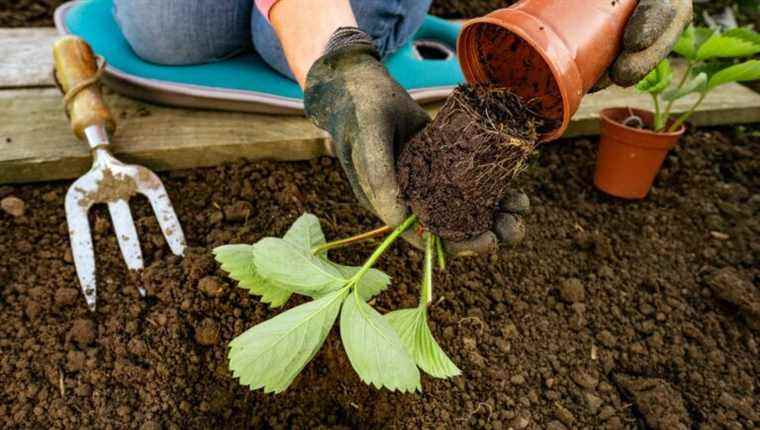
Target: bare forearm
{"type": "Point", "coordinates": [305, 26]}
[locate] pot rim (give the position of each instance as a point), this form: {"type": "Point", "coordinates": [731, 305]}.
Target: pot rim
{"type": "Point", "coordinates": [561, 64]}
{"type": "Point", "coordinates": [604, 115]}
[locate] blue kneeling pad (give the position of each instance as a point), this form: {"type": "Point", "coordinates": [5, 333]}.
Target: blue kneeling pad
{"type": "Point", "coordinates": [246, 82]}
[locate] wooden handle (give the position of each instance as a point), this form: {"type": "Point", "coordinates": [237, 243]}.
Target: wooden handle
{"type": "Point", "coordinates": [75, 63]}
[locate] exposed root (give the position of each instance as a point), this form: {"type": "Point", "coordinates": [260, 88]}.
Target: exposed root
{"type": "Point", "coordinates": [455, 172]}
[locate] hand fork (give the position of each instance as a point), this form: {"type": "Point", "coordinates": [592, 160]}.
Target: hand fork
{"type": "Point", "coordinates": [109, 180]}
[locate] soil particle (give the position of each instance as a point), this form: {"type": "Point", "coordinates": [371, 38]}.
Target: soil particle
{"type": "Point", "coordinates": [50, 197]}
{"type": "Point", "coordinates": [555, 425]}
{"type": "Point", "coordinates": [13, 206]}
{"type": "Point", "coordinates": [594, 403]}
{"type": "Point", "coordinates": [607, 339]}
{"type": "Point", "coordinates": [728, 285]}
{"type": "Point", "coordinates": [238, 211]}
{"type": "Point", "coordinates": [5, 190]}
{"type": "Point", "coordinates": [563, 414]}
{"type": "Point", "coordinates": [658, 402]}
{"type": "Point", "coordinates": [571, 290]}
{"type": "Point", "coordinates": [211, 286]}
{"type": "Point", "coordinates": [66, 296]}
{"type": "Point", "coordinates": [457, 170]}
{"type": "Point", "coordinates": [75, 361]}
{"type": "Point", "coordinates": [519, 423]}
{"type": "Point", "coordinates": [207, 333]}
{"type": "Point", "coordinates": [744, 407]}
{"type": "Point", "coordinates": [606, 413]}
{"type": "Point", "coordinates": [83, 332]}
{"type": "Point", "coordinates": [584, 379]}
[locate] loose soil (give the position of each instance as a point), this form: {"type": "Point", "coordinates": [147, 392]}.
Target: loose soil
{"type": "Point", "coordinates": [612, 314]}
{"type": "Point", "coordinates": [28, 13]}
{"type": "Point", "coordinates": [458, 168]}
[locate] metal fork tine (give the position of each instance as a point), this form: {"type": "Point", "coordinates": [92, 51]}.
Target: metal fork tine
{"type": "Point", "coordinates": [152, 188]}
{"type": "Point", "coordinates": [81, 247]}
{"type": "Point", "coordinates": [129, 243]}
{"type": "Point", "coordinates": [124, 227]}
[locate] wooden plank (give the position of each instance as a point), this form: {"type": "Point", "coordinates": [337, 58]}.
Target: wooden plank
{"type": "Point", "coordinates": [36, 143]}
{"type": "Point", "coordinates": [25, 57]}
{"type": "Point", "coordinates": [731, 104]}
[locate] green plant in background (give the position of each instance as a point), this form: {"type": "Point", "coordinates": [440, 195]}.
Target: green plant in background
{"type": "Point", "coordinates": [713, 58]}
{"type": "Point", "coordinates": [385, 350]}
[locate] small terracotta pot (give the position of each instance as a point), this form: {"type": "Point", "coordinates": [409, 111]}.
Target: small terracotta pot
{"type": "Point", "coordinates": [547, 51]}
{"type": "Point", "coordinates": [629, 158]}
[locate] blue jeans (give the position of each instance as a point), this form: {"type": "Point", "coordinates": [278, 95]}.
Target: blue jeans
{"type": "Point", "coordinates": [180, 32]}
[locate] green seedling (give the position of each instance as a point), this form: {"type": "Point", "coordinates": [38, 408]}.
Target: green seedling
{"type": "Point", "coordinates": [384, 350]}
{"type": "Point", "coordinates": [713, 59]}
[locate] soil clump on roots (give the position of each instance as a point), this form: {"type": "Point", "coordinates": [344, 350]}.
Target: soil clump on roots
{"type": "Point", "coordinates": [454, 172]}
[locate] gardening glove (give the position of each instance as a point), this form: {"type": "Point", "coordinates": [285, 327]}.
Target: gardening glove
{"type": "Point", "coordinates": [350, 94]}
{"type": "Point", "coordinates": [652, 30]}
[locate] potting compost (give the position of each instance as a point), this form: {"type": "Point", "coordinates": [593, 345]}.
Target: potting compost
{"type": "Point", "coordinates": [456, 170]}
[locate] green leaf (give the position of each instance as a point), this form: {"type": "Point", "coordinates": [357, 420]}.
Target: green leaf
{"type": "Point", "coordinates": [736, 43]}
{"type": "Point", "coordinates": [271, 354]}
{"type": "Point", "coordinates": [696, 84]}
{"type": "Point", "coordinates": [306, 233]}
{"type": "Point", "coordinates": [296, 268]}
{"type": "Point", "coordinates": [691, 40]}
{"type": "Point", "coordinates": [237, 261]}
{"type": "Point", "coordinates": [412, 327]}
{"type": "Point", "coordinates": [657, 80]}
{"type": "Point", "coordinates": [372, 283]}
{"type": "Point", "coordinates": [374, 348]}
{"type": "Point", "coordinates": [744, 33]}
{"type": "Point", "coordinates": [742, 72]}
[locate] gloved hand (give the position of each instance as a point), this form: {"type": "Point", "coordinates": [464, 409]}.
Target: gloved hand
{"type": "Point", "coordinates": [651, 32]}
{"type": "Point", "coordinates": [350, 94]}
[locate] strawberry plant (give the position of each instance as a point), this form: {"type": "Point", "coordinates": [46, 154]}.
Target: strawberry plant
{"type": "Point", "coordinates": [384, 350]}
{"type": "Point", "coordinates": [713, 59]}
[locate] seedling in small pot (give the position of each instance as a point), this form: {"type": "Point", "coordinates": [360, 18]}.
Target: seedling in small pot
{"type": "Point", "coordinates": [713, 59]}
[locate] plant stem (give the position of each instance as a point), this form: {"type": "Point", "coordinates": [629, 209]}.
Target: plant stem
{"type": "Point", "coordinates": [659, 124]}
{"type": "Point", "coordinates": [681, 119]}
{"type": "Point", "coordinates": [350, 240]}
{"type": "Point", "coordinates": [426, 290]}
{"type": "Point", "coordinates": [440, 252]}
{"type": "Point", "coordinates": [382, 248]}
{"type": "Point", "coordinates": [680, 85]}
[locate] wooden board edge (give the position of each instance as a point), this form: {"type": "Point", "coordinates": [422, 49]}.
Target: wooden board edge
{"type": "Point", "coordinates": [45, 170]}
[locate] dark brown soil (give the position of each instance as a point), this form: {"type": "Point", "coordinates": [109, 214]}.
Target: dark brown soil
{"type": "Point", "coordinates": [455, 171]}
{"type": "Point", "coordinates": [27, 13]}
{"type": "Point", "coordinates": [612, 314]}
{"type": "Point", "coordinates": [466, 8]}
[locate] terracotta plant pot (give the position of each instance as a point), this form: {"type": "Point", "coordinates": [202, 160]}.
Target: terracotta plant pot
{"type": "Point", "coordinates": [547, 51]}
{"type": "Point", "coordinates": [629, 158]}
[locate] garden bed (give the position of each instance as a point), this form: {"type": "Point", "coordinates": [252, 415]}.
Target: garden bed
{"type": "Point", "coordinates": [610, 314]}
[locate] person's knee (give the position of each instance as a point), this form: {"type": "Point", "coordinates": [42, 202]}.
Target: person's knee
{"type": "Point", "coordinates": [179, 32]}
{"type": "Point", "coordinates": [390, 23]}
{"type": "Point", "coordinates": [267, 44]}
